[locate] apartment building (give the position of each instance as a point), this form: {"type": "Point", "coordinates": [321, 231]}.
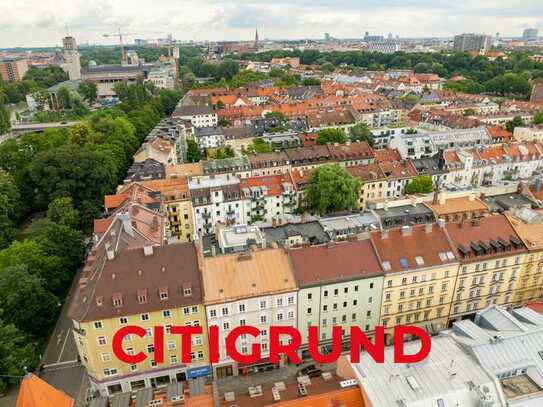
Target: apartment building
{"type": "Point", "coordinates": [255, 288]}
{"type": "Point", "coordinates": [268, 197]}
{"type": "Point", "coordinates": [198, 115]}
{"type": "Point", "coordinates": [357, 153]}
{"type": "Point", "coordinates": [145, 286]}
{"type": "Point", "coordinates": [472, 42]}
{"type": "Point", "coordinates": [13, 69]}
{"type": "Point", "coordinates": [528, 225]}
{"type": "Point", "coordinates": [270, 163]}
{"type": "Point", "coordinates": [420, 270]}
{"type": "Point", "coordinates": [340, 285]}
{"type": "Point", "coordinates": [373, 183]}
{"type": "Point", "coordinates": [491, 256]}
{"type": "Point", "coordinates": [216, 199]}
{"type": "Point", "coordinates": [176, 204]}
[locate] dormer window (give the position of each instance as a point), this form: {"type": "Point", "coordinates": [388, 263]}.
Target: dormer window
{"type": "Point", "coordinates": [142, 296]}
{"type": "Point", "coordinates": [99, 301]}
{"type": "Point", "coordinates": [117, 300]}
{"type": "Point", "coordinates": [187, 289]}
{"type": "Point", "coordinates": [163, 293]}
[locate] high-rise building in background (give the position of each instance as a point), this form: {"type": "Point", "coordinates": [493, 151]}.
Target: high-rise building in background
{"type": "Point", "coordinates": [530, 34]}
{"type": "Point", "coordinates": [72, 64]}
{"type": "Point", "coordinates": [13, 69]}
{"type": "Point", "coordinates": [472, 42]}
{"type": "Point", "coordinates": [327, 37]}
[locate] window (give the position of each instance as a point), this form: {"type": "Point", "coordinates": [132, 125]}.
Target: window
{"type": "Point", "coordinates": [98, 325]}
{"type": "Point", "coordinates": [291, 315]}
{"type": "Point", "coordinates": [242, 322]}
{"type": "Point", "coordinates": [194, 309]}
{"type": "Point", "coordinates": [346, 290]}
{"type": "Point", "coordinates": [123, 320]}
{"type": "Point", "coordinates": [280, 302]}
{"type": "Point", "coordinates": [325, 294]}
{"type": "Point", "coordinates": [241, 307]}
{"type": "Point", "coordinates": [102, 341]}
{"type": "Point", "coordinates": [171, 345]}
{"type": "Point", "coordinates": [163, 295]}
{"type": "Point", "coordinates": [368, 313]}
{"type": "Point", "coordinates": [173, 359]}
{"type": "Point", "coordinates": [324, 308]}
{"type": "Point", "coordinates": [187, 292]}
{"type": "Point", "coordinates": [145, 317]}
{"type": "Point", "coordinates": [168, 329]}
{"type": "Point", "coordinates": [226, 326]}
{"type": "Point", "coordinates": [133, 368]}
{"type": "Point", "coordinates": [290, 300]}
{"type": "Point", "coordinates": [110, 371]}
{"type": "Point", "coordinates": [153, 364]}
{"type": "Point", "coordinates": [106, 357]}
{"type": "Point", "coordinates": [336, 292]}
{"type": "Point", "coordinates": [224, 311]}
{"type": "Point", "coordinates": [167, 313]}
{"type": "Point", "coordinates": [186, 310]}
{"type": "Point", "coordinates": [263, 319]}
{"type": "Point", "coordinates": [212, 313]}
{"type": "Point", "coordinates": [309, 310]}
{"type": "Point", "coordinates": [150, 348]}
{"type": "Point", "coordinates": [309, 296]}
{"type": "Point", "coordinates": [262, 304]}
{"type": "Point", "coordinates": [280, 316]}
{"type": "Point", "coordinates": [355, 302]}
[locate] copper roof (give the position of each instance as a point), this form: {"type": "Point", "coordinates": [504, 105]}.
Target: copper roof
{"type": "Point", "coordinates": [334, 262]}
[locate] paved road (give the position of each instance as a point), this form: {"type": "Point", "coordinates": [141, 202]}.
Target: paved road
{"type": "Point", "coordinates": [60, 365]}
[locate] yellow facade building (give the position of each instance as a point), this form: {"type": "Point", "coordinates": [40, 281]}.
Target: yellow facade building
{"type": "Point", "coordinates": [420, 271]}
{"type": "Point", "coordinates": [492, 257]}
{"type": "Point", "coordinates": [145, 286]}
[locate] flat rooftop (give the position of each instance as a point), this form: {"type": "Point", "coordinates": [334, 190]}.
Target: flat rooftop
{"type": "Point", "coordinates": [519, 386]}
{"type": "Point", "coordinates": [319, 393]}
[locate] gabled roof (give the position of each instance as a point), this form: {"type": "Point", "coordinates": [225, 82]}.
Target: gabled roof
{"type": "Point", "coordinates": [335, 262]}
{"type": "Point", "coordinates": [35, 392]}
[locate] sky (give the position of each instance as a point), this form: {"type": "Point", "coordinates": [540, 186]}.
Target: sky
{"type": "Point", "coordinates": [28, 23]}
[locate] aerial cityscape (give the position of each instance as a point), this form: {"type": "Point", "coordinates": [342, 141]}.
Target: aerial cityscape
{"type": "Point", "coordinates": [290, 184]}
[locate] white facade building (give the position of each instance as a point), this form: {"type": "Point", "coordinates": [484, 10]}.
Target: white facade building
{"type": "Point", "coordinates": [216, 199]}
{"type": "Point", "coordinates": [199, 116]}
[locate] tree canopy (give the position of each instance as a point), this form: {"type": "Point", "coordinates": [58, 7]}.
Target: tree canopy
{"type": "Point", "coordinates": [331, 189]}
{"type": "Point", "coordinates": [331, 136]}
{"type": "Point", "coordinates": [361, 132]}
{"type": "Point", "coordinates": [421, 184]}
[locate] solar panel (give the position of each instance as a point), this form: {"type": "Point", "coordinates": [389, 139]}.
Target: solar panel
{"type": "Point", "coordinates": [404, 263]}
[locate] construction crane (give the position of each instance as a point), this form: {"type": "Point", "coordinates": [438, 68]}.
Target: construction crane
{"type": "Point", "coordinates": [120, 35]}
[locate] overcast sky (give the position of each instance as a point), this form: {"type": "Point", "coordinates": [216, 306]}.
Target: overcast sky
{"type": "Point", "coordinates": [44, 22]}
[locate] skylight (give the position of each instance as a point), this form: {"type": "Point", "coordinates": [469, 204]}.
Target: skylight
{"type": "Point", "coordinates": [419, 260]}
{"type": "Point", "coordinates": [386, 265]}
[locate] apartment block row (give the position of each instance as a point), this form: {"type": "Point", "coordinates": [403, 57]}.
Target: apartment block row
{"type": "Point", "coordinates": [429, 275]}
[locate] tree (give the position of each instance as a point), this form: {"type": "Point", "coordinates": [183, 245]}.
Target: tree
{"type": "Point", "coordinates": [223, 152]}
{"type": "Point", "coordinates": [327, 67]}
{"type": "Point", "coordinates": [89, 91]}
{"type": "Point", "coordinates": [421, 184]}
{"type": "Point", "coordinates": [17, 353]}
{"type": "Point", "coordinates": [81, 134]}
{"type": "Point", "coordinates": [311, 82]}
{"type": "Point", "coordinates": [193, 151]}
{"type": "Point", "coordinates": [224, 122]}
{"type": "Point", "coordinates": [39, 263]}
{"type": "Point", "coordinates": [11, 208]}
{"type": "Point", "coordinates": [275, 115]}
{"type": "Point", "coordinates": [61, 211]}
{"type": "Point", "coordinates": [260, 146]}
{"type": "Point", "coordinates": [516, 122]}
{"type": "Point", "coordinates": [538, 117]}
{"type": "Point", "coordinates": [4, 117]}
{"type": "Point", "coordinates": [361, 132]}
{"type": "Point", "coordinates": [331, 188]}
{"type": "Point", "coordinates": [25, 301]}
{"type": "Point", "coordinates": [331, 136]}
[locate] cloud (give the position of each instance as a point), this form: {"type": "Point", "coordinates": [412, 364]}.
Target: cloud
{"type": "Point", "coordinates": [44, 22]}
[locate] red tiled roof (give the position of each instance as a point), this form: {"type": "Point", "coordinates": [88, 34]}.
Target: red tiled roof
{"type": "Point", "coordinates": [35, 392]}
{"type": "Point", "coordinates": [400, 250]}
{"type": "Point", "coordinates": [114, 201]}
{"type": "Point", "coordinates": [335, 262]}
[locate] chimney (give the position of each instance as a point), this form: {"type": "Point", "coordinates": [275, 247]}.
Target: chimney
{"type": "Point", "coordinates": [127, 224]}
{"type": "Point", "coordinates": [110, 253]}
{"type": "Point", "coordinates": [384, 234]}
{"type": "Point", "coordinates": [428, 228]}
{"type": "Point", "coordinates": [148, 250]}
{"type": "Point", "coordinates": [471, 197]}
{"type": "Point", "coordinates": [407, 230]}
{"type": "Point", "coordinates": [442, 199]}
{"type": "Point", "coordinates": [213, 251]}
{"type": "Point", "coordinates": [441, 223]}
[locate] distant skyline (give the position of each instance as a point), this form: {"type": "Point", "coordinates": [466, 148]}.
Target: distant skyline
{"type": "Point", "coordinates": [32, 23]}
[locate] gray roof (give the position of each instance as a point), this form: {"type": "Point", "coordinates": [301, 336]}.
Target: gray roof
{"type": "Point", "coordinates": [144, 396]}
{"type": "Point", "coordinates": [504, 202]}
{"type": "Point", "coordinates": [208, 131]}
{"type": "Point", "coordinates": [312, 231]}
{"type": "Point", "coordinates": [449, 374]}
{"type": "Point", "coordinates": [419, 213]}
{"type": "Point", "coordinates": [69, 84]}
{"type": "Point", "coordinates": [121, 400]}
{"type": "Point", "coordinates": [191, 110]}
{"type": "Point", "coordinates": [112, 69]}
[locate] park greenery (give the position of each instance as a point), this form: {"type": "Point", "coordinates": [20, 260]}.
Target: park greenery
{"type": "Point", "coordinates": [51, 188]}
{"type": "Point", "coordinates": [332, 189]}
{"type": "Point", "coordinates": [361, 132]}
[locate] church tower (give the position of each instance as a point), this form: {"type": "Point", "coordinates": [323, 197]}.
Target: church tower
{"type": "Point", "coordinates": [72, 64]}
{"type": "Point", "coordinates": [256, 39]}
